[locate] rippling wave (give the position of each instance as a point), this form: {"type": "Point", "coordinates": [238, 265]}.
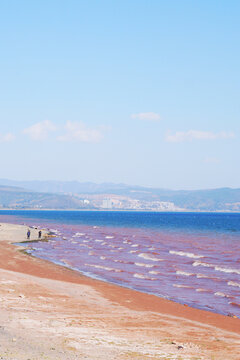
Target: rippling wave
{"type": "Point", "coordinates": [160, 259]}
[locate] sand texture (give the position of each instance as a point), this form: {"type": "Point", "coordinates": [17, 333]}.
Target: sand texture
{"type": "Point", "coordinates": [50, 312]}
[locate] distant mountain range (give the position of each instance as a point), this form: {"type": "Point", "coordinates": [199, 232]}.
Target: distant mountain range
{"type": "Point", "coordinates": [77, 195]}
{"type": "Point", "coordinates": [19, 198]}
{"type": "Point", "coordinates": [68, 186]}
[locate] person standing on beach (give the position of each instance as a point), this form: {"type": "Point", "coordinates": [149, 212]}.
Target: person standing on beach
{"type": "Point", "coordinates": [39, 234]}
{"type": "Point", "coordinates": [28, 234]}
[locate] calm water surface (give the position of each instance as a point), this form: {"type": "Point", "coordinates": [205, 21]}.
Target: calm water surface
{"type": "Point", "coordinates": [186, 257]}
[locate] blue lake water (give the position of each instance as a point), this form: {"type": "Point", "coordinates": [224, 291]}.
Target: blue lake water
{"type": "Point", "coordinates": [191, 258]}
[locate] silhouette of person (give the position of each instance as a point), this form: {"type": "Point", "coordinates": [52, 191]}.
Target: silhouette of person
{"type": "Point", "coordinates": [39, 234]}
{"type": "Point", "coordinates": [28, 234]}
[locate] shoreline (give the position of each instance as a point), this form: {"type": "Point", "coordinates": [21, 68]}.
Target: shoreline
{"type": "Point", "coordinates": [183, 211]}
{"type": "Point", "coordinates": [128, 316]}
{"type": "Point", "coordinates": [124, 286]}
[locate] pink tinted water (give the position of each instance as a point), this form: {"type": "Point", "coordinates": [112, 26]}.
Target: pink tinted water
{"type": "Point", "coordinates": [175, 266]}
{"type": "Point", "coordinates": [198, 270]}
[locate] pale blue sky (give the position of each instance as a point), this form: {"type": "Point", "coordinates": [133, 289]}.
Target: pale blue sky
{"type": "Point", "coordinates": [140, 92]}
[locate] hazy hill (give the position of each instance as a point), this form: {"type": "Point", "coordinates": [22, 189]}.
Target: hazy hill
{"type": "Point", "coordinates": [70, 186]}
{"type": "Point", "coordinates": [70, 194]}
{"type": "Point", "coordinates": [15, 197]}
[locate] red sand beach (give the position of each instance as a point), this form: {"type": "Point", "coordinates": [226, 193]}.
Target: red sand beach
{"type": "Point", "coordinates": [50, 312]}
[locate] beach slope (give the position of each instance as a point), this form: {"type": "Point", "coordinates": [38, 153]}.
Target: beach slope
{"type": "Point", "coordinates": [50, 312]}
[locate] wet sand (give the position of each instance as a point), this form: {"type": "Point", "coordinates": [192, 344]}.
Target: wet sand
{"type": "Point", "coordinates": [50, 312]}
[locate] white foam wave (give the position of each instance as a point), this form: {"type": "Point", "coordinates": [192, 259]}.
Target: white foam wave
{"type": "Point", "coordinates": [78, 234]}
{"type": "Point", "coordinates": [121, 261]}
{"type": "Point", "coordinates": [202, 276]}
{"type": "Point", "coordinates": [227, 270]}
{"type": "Point", "coordinates": [154, 272]}
{"type": "Point", "coordinates": [132, 251]}
{"type": "Point", "coordinates": [103, 257]}
{"type": "Point", "coordinates": [202, 290]}
{"type": "Point", "coordinates": [186, 254]}
{"type": "Point", "coordinates": [149, 257]}
{"type": "Point", "coordinates": [182, 286]}
{"type": "Point", "coordinates": [141, 276]}
{"type": "Point", "coordinates": [109, 237]}
{"type": "Point", "coordinates": [184, 273]}
{"type": "Point", "coordinates": [233, 283]}
{"type": "Point", "coordinates": [134, 245]}
{"type": "Point", "coordinates": [217, 268]}
{"type": "Point", "coordinates": [103, 267]}
{"type": "Point", "coordinates": [144, 265]}
{"type": "Point", "coordinates": [199, 263]}
{"type": "Point", "coordinates": [221, 294]}
{"type": "Point", "coordinates": [97, 240]}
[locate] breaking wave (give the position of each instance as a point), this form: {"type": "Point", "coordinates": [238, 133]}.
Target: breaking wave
{"type": "Point", "coordinates": [202, 290]}
{"type": "Point", "coordinates": [202, 276]}
{"type": "Point", "coordinates": [145, 265]}
{"type": "Point", "coordinates": [141, 276]}
{"type": "Point", "coordinates": [187, 254]}
{"type": "Point", "coordinates": [221, 294]}
{"type": "Point", "coordinates": [184, 273]}
{"type": "Point", "coordinates": [103, 268]}
{"type": "Point", "coordinates": [149, 257]}
{"type": "Point", "coordinates": [217, 268]}
{"type": "Point", "coordinates": [78, 234]}
{"type": "Point", "coordinates": [233, 283]}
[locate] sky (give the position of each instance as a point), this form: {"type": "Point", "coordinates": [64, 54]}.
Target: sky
{"type": "Point", "coordinates": [136, 92]}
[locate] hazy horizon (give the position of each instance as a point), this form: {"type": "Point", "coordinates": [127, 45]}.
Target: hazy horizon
{"type": "Point", "coordinates": [113, 183]}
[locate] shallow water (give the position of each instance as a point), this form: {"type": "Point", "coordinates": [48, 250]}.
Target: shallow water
{"type": "Point", "coordinates": [189, 258]}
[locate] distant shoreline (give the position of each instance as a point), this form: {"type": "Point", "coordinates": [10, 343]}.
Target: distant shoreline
{"type": "Point", "coordinates": [116, 197]}
{"type": "Point", "coordinates": [129, 210]}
